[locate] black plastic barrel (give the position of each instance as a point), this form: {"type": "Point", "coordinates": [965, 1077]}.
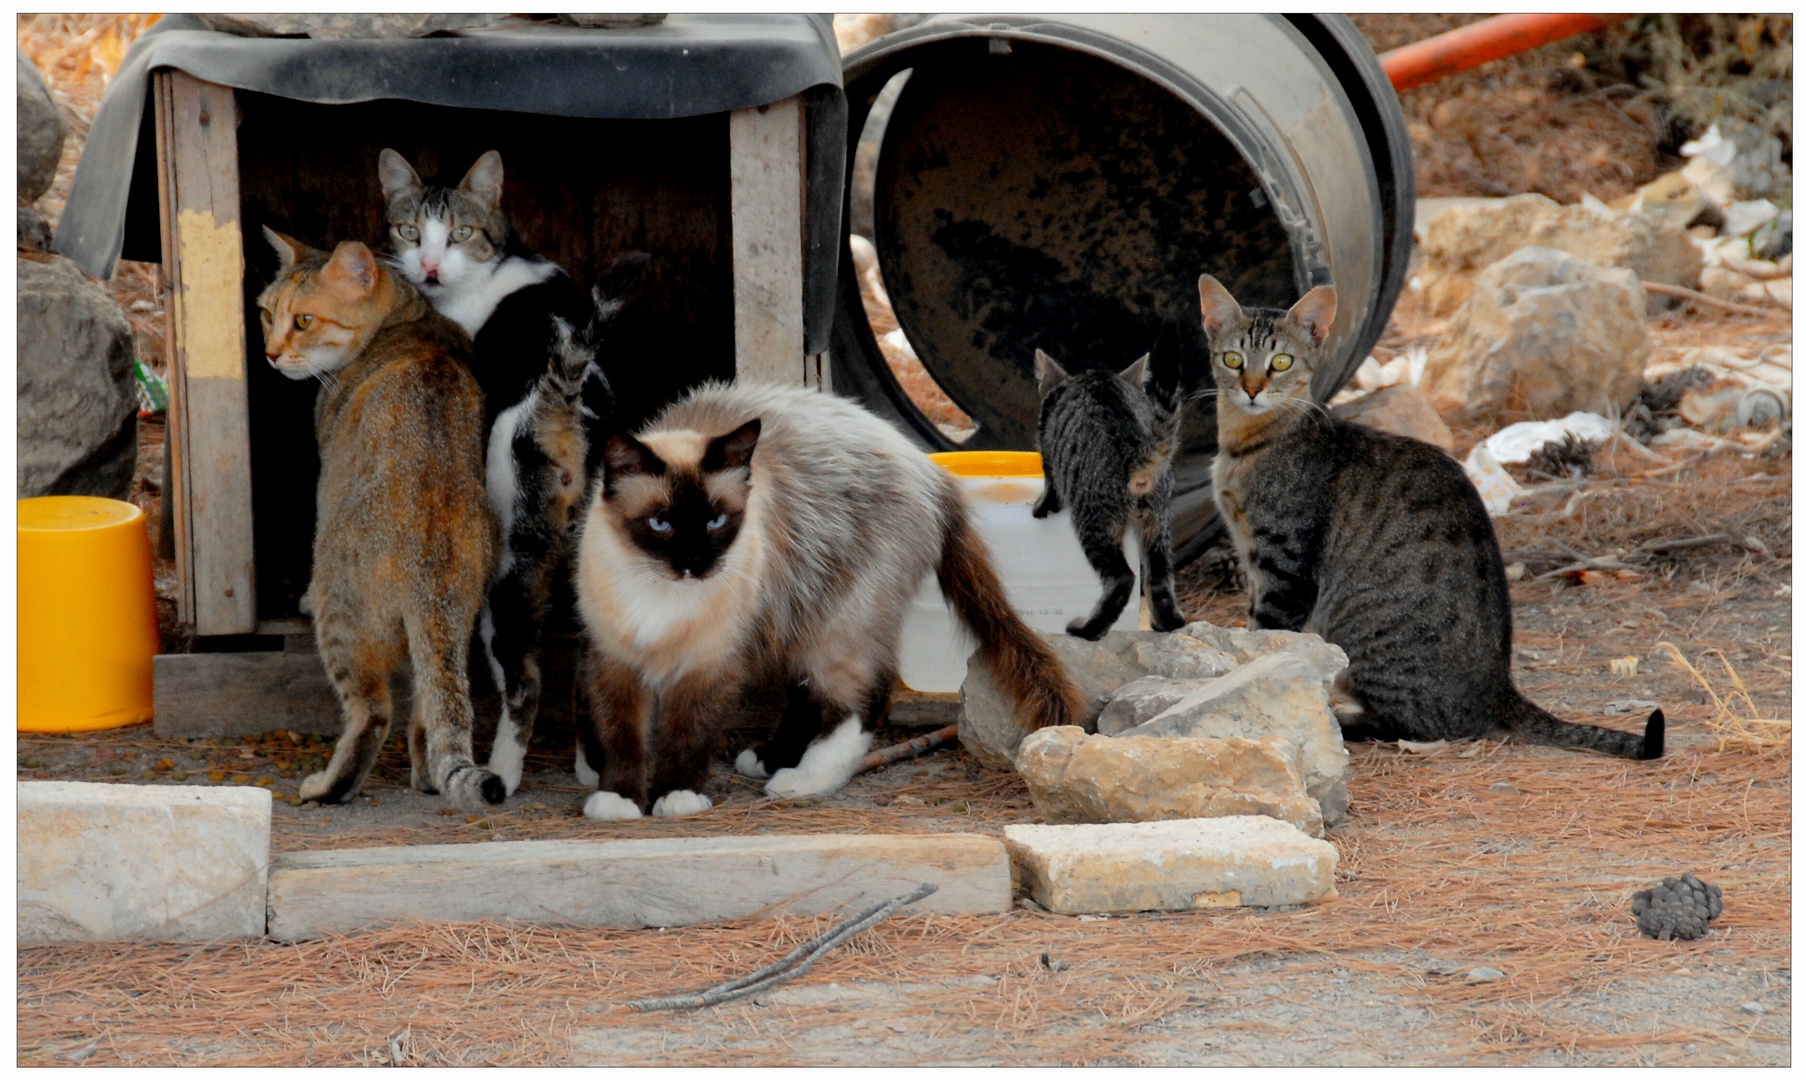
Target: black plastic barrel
{"type": "Point", "coordinates": [1059, 182]}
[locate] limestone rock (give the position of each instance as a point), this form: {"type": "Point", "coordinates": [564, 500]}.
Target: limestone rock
{"type": "Point", "coordinates": [34, 231]}
{"type": "Point", "coordinates": [1284, 693]}
{"type": "Point", "coordinates": [1100, 668]}
{"type": "Point", "coordinates": [1075, 777]}
{"type": "Point", "coordinates": [41, 132]}
{"type": "Point", "coordinates": [1464, 240]}
{"type": "Point", "coordinates": [106, 862]}
{"type": "Point", "coordinates": [1142, 700]}
{"type": "Point", "coordinates": [344, 24]}
{"type": "Point", "coordinates": [1400, 409]}
{"type": "Point", "coordinates": [1169, 865]}
{"type": "Point", "coordinates": [1544, 334]}
{"type": "Point", "coordinates": [78, 405]}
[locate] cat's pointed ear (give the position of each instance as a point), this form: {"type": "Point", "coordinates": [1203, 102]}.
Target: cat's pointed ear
{"type": "Point", "coordinates": [353, 265]}
{"type": "Point", "coordinates": [1048, 373]}
{"type": "Point", "coordinates": [733, 450]}
{"type": "Point", "coordinates": [1136, 374]}
{"type": "Point", "coordinates": [395, 173]}
{"type": "Point", "coordinates": [624, 456]}
{"type": "Point", "coordinates": [288, 249]}
{"type": "Point", "coordinates": [1315, 312]}
{"type": "Point", "coordinates": [1220, 309]}
{"type": "Point", "coordinates": [484, 180]}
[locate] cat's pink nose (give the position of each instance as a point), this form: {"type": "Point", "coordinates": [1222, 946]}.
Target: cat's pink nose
{"type": "Point", "coordinates": [430, 269]}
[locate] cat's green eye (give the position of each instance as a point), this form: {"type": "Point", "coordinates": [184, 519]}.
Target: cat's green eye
{"type": "Point", "coordinates": [407, 232]}
{"type": "Point", "coordinates": [460, 234]}
{"type": "Point", "coordinates": [1279, 363]}
{"type": "Point", "coordinates": [302, 322]}
{"type": "Point", "coordinates": [1232, 361]}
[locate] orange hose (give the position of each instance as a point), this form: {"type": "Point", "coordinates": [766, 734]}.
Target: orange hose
{"type": "Point", "coordinates": [1489, 39]}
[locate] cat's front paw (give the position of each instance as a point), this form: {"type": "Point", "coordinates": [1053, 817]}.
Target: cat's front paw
{"type": "Point", "coordinates": [608, 806]}
{"type": "Point", "coordinates": [748, 764]}
{"type": "Point", "coordinates": [680, 803]}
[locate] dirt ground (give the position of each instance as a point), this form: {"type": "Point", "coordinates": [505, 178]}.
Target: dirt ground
{"type": "Point", "coordinates": [1484, 855]}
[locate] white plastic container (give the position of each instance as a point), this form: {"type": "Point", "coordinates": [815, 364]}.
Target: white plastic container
{"type": "Point", "coordinates": [1043, 568]}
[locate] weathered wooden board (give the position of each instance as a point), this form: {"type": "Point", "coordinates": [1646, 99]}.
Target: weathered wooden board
{"type": "Point", "coordinates": [630, 883]}
{"type": "Point", "coordinates": [197, 140]}
{"type": "Point", "coordinates": [765, 168]}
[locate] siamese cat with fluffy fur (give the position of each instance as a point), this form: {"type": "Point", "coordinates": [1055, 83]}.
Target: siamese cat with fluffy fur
{"type": "Point", "coordinates": [759, 533]}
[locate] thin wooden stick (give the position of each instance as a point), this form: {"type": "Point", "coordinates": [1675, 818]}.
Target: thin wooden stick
{"type": "Point", "coordinates": [1702, 298]}
{"type": "Point", "coordinates": [915, 747]}
{"type": "Point", "coordinates": [772, 974]}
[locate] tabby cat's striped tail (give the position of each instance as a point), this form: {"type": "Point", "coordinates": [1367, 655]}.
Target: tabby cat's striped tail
{"type": "Point", "coordinates": [1537, 725]}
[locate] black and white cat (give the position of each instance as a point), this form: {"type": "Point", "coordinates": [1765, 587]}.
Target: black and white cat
{"type": "Point", "coordinates": [547, 405]}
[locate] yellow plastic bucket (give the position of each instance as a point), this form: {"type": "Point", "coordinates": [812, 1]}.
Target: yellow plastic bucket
{"type": "Point", "coordinates": [87, 614]}
{"type": "Point", "coordinates": [989, 462]}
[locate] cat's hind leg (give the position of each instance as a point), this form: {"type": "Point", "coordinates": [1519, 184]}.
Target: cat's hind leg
{"type": "Point", "coordinates": [1103, 550]}
{"type": "Point", "coordinates": [1049, 502]}
{"type": "Point", "coordinates": [510, 638]}
{"type": "Point", "coordinates": [360, 677]}
{"type": "Point", "coordinates": [442, 697]}
{"type": "Point", "coordinates": [1163, 601]}
{"type": "Point", "coordinates": [837, 755]}
{"type": "Point", "coordinates": [796, 729]}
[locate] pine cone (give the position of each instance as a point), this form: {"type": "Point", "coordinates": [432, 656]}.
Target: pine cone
{"type": "Point", "coordinates": [1677, 908]}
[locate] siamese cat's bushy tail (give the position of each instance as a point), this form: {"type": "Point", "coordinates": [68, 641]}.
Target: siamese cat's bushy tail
{"type": "Point", "coordinates": [1026, 668]}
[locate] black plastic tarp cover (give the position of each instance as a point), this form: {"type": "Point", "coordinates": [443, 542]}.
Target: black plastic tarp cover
{"type": "Point", "coordinates": [687, 66]}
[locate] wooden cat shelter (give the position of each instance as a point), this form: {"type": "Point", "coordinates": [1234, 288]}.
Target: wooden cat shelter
{"type": "Point", "coordinates": [716, 143]}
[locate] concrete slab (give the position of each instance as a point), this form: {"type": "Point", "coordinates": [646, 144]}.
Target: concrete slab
{"type": "Point", "coordinates": [1170, 865]}
{"type": "Point", "coordinates": [105, 862]}
{"type": "Point", "coordinates": [631, 883]}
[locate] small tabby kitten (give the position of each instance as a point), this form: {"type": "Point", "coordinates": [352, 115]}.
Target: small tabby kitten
{"type": "Point", "coordinates": [543, 450]}
{"type": "Point", "coordinates": [1107, 447]}
{"type": "Point", "coordinates": [1376, 542]}
{"type": "Point", "coordinates": [404, 538]}
{"type": "Point", "coordinates": [754, 534]}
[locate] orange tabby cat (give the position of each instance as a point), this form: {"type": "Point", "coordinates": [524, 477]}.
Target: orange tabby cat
{"type": "Point", "coordinates": [405, 539]}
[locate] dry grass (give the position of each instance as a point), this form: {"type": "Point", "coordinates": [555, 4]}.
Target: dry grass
{"type": "Point", "coordinates": [1533, 878]}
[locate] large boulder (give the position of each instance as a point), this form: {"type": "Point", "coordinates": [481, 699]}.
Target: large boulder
{"type": "Point", "coordinates": [78, 405]}
{"type": "Point", "coordinates": [1466, 238]}
{"type": "Point", "coordinates": [344, 24]}
{"type": "Point", "coordinates": [987, 726]}
{"type": "Point", "coordinates": [1544, 334]}
{"type": "Point", "coordinates": [41, 132]}
{"type": "Point", "coordinates": [1074, 777]}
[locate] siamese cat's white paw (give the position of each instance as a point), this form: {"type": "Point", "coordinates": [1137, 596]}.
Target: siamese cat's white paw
{"type": "Point", "coordinates": [680, 803]}
{"type": "Point", "coordinates": [607, 806]}
{"type": "Point", "coordinates": [826, 766]}
{"type": "Point", "coordinates": [586, 776]}
{"type": "Point", "coordinates": [748, 764]}
{"type": "Point", "coordinates": [507, 756]}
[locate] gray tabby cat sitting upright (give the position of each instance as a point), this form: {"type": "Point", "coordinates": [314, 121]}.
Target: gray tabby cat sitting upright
{"type": "Point", "coordinates": [1107, 448]}
{"type": "Point", "coordinates": [1377, 542]}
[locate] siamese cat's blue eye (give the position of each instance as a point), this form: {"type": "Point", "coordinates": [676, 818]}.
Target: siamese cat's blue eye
{"type": "Point", "coordinates": [407, 232]}
{"type": "Point", "coordinates": [658, 524]}
{"type": "Point", "coordinates": [1232, 360]}
{"type": "Point", "coordinates": [1280, 362]}
{"type": "Point", "coordinates": [717, 522]}
{"type": "Point", "coordinates": [460, 234]}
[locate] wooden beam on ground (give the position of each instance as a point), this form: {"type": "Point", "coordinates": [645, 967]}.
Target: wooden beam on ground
{"type": "Point", "coordinates": [765, 168]}
{"type": "Point", "coordinates": [209, 430]}
{"type": "Point", "coordinates": [680, 881]}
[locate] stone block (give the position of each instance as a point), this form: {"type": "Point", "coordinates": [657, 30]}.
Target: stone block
{"type": "Point", "coordinates": [679, 881]}
{"type": "Point", "coordinates": [1283, 693]}
{"type": "Point", "coordinates": [41, 132]}
{"type": "Point", "coordinates": [1170, 865]}
{"type": "Point", "coordinates": [1399, 409]}
{"type": "Point", "coordinates": [1074, 777]}
{"type": "Point", "coordinates": [129, 862]}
